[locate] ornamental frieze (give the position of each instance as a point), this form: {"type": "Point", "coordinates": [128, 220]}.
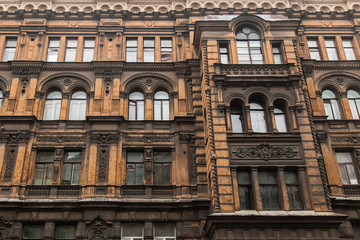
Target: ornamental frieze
{"type": "Point", "coordinates": [104, 138]}
{"type": "Point", "coordinates": [264, 151]}
{"type": "Point", "coordinates": [149, 139]}
{"type": "Point", "coordinates": [348, 139]}
{"type": "Point", "coordinates": [14, 137]}
{"type": "Point", "coordinates": [60, 139]}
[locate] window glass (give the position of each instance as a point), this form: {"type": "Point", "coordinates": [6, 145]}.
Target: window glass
{"type": "Point", "coordinates": [78, 106]}
{"type": "Point", "coordinates": [44, 168]}
{"type": "Point", "coordinates": [331, 49]}
{"type": "Point", "coordinates": [10, 47]}
{"type": "Point", "coordinates": [245, 190]}
{"type": "Point", "coordinates": [249, 46]}
{"type": "Point", "coordinates": [346, 167]}
{"type": "Point", "coordinates": [293, 191]}
{"type": "Point", "coordinates": [149, 49]}
{"type": "Point", "coordinates": [166, 49]}
{"type": "Point", "coordinates": [33, 231]}
{"type": "Point", "coordinates": [70, 51]}
{"type": "Point", "coordinates": [354, 101]}
{"type": "Point", "coordinates": [71, 168]}
{"type": "Point", "coordinates": [224, 53]}
{"type": "Point", "coordinates": [276, 48]}
{"type": "Point", "coordinates": [236, 112]}
{"type": "Point", "coordinates": [132, 231]}
{"type": "Point", "coordinates": [164, 231]}
{"type": "Point", "coordinates": [53, 50]}
{"type": "Point", "coordinates": [161, 106]}
{"type": "Point", "coordinates": [314, 49]}
{"type": "Point", "coordinates": [268, 190]}
{"type": "Point", "coordinates": [349, 49]}
{"type": "Point", "coordinates": [65, 232]}
{"type": "Point", "coordinates": [136, 106]}
{"type": "Point", "coordinates": [131, 49]}
{"type": "Point", "coordinates": [52, 106]}
{"type": "Point", "coordinates": [332, 109]}
{"type": "Point", "coordinates": [88, 52]}
{"type": "Point", "coordinates": [280, 120]}
{"type": "Point", "coordinates": [135, 168]}
{"type": "Point", "coordinates": [1, 97]}
{"type": "Point", "coordinates": [162, 168]}
{"type": "Point", "coordinates": [258, 118]}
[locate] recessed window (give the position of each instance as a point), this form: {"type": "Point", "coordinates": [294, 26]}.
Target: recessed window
{"type": "Point", "coordinates": [331, 49]}
{"type": "Point", "coordinates": [71, 168]}
{"type": "Point", "coordinates": [331, 105]}
{"type": "Point", "coordinates": [70, 51]}
{"type": "Point", "coordinates": [224, 53]}
{"type": "Point", "coordinates": [249, 46]}
{"type": "Point", "coordinates": [64, 232]}
{"type": "Point", "coordinates": [52, 106]}
{"type": "Point", "coordinates": [135, 168]}
{"type": "Point", "coordinates": [314, 49]}
{"type": "Point", "coordinates": [44, 168]}
{"type": "Point", "coordinates": [269, 190]}
{"type": "Point", "coordinates": [236, 113]}
{"type": "Point", "coordinates": [136, 106]}
{"type": "Point", "coordinates": [149, 49]}
{"type": "Point", "coordinates": [245, 190]}
{"type": "Point", "coordinates": [88, 52]}
{"type": "Point", "coordinates": [161, 106]}
{"type": "Point", "coordinates": [293, 190]}
{"type": "Point", "coordinates": [162, 168]}
{"type": "Point", "coordinates": [277, 55]}
{"type": "Point", "coordinates": [77, 106]}
{"type": "Point", "coordinates": [346, 166]}
{"type": "Point", "coordinates": [33, 232]}
{"type": "Point", "coordinates": [280, 119]}
{"type": "Point", "coordinates": [349, 49]}
{"type": "Point", "coordinates": [10, 47]}
{"type": "Point", "coordinates": [164, 231]}
{"type": "Point", "coordinates": [258, 117]}
{"type": "Point", "coordinates": [166, 49]}
{"type": "Point", "coordinates": [53, 50]}
{"type": "Point", "coordinates": [131, 49]}
{"type": "Point", "coordinates": [132, 231]}
{"type": "Point", "coordinates": [354, 101]}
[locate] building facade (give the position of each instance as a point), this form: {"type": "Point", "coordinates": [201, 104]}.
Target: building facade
{"type": "Point", "coordinates": [180, 119]}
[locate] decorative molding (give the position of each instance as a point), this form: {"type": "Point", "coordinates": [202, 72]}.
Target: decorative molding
{"type": "Point", "coordinates": [149, 139]}
{"type": "Point", "coordinates": [350, 139]}
{"type": "Point", "coordinates": [344, 65]}
{"type": "Point", "coordinates": [322, 136]}
{"type": "Point", "coordinates": [185, 138]}
{"type": "Point", "coordinates": [60, 139]}
{"type": "Point", "coordinates": [148, 165]}
{"type": "Point", "coordinates": [98, 229]}
{"type": "Point", "coordinates": [58, 157]}
{"type": "Point", "coordinates": [28, 69]}
{"type": "Point", "coordinates": [21, 137]}
{"type": "Point", "coordinates": [103, 162]}
{"type": "Point", "coordinates": [252, 69]}
{"type": "Point", "coordinates": [104, 138]}
{"type": "Point", "coordinates": [10, 163]}
{"type": "Point", "coordinates": [265, 151]}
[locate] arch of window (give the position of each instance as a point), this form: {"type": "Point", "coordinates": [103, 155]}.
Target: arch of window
{"type": "Point", "coordinates": [236, 112]}
{"type": "Point", "coordinates": [280, 116]}
{"type": "Point", "coordinates": [248, 44]}
{"type": "Point", "coordinates": [258, 115]}
{"type": "Point", "coordinates": [331, 105]}
{"type": "Point", "coordinates": [136, 106]}
{"type": "Point", "coordinates": [161, 106]}
{"type": "Point", "coordinates": [354, 101]}
{"type": "Point", "coordinates": [78, 106]}
{"type": "Point", "coordinates": [52, 106]}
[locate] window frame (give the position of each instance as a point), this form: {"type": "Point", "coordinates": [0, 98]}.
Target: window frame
{"type": "Point", "coordinates": [135, 168]}
{"type": "Point", "coordinates": [252, 116]}
{"type": "Point", "coordinates": [292, 197]}
{"type": "Point", "coordinates": [249, 186]}
{"type": "Point", "coordinates": [317, 48]}
{"type": "Point", "coordinates": [162, 168]}
{"type": "Point", "coordinates": [279, 46]}
{"type": "Point", "coordinates": [88, 48]}
{"type": "Point", "coordinates": [56, 231]}
{"type": "Point", "coordinates": [47, 166]}
{"type": "Point", "coordinates": [23, 231]}
{"type": "Point", "coordinates": [133, 48]}
{"type": "Point", "coordinates": [274, 186]}
{"type": "Point", "coordinates": [6, 48]}
{"type": "Point", "coordinates": [331, 50]}
{"type": "Point", "coordinates": [164, 237]}
{"type": "Point", "coordinates": [149, 50]}
{"type": "Point", "coordinates": [50, 39]}
{"type": "Point", "coordinates": [351, 163]}
{"type": "Point", "coordinates": [351, 40]}
{"type": "Point", "coordinates": [224, 45]}
{"type": "Point", "coordinates": [332, 103]}
{"type": "Point", "coordinates": [132, 237]}
{"type": "Point", "coordinates": [55, 106]}
{"type": "Point", "coordinates": [69, 49]}
{"type": "Point", "coordinates": [78, 102]}
{"type": "Point", "coordinates": [250, 53]}
{"type": "Point", "coordinates": [136, 106]}
{"type": "Point", "coordinates": [64, 162]}
{"type": "Point", "coordinates": [234, 113]}
{"type": "Point", "coordinates": [162, 102]}
{"type": "Point", "coordinates": [163, 51]}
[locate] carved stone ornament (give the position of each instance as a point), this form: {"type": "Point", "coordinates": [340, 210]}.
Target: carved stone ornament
{"type": "Point", "coordinates": [98, 229]}
{"type": "Point", "coordinates": [265, 151]}
{"type": "Point", "coordinates": [21, 137]}
{"type": "Point", "coordinates": [104, 138]}
{"type": "Point", "coordinates": [350, 139]}
{"type": "Point", "coordinates": [10, 163]}
{"type": "Point", "coordinates": [4, 226]}
{"type": "Point", "coordinates": [60, 139]}
{"type": "Point", "coordinates": [185, 138]}
{"type": "Point", "coordinates": [149, 139]}
{"type": "Point", "coordinates": [357, 155]}
{"type": "Point", "coordinates": [148, 165]}
{"type": "Point", "coordinates": [103, 163]}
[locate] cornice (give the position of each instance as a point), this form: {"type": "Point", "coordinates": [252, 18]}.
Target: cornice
{"type": "Point", "coordinates": [327, 65]}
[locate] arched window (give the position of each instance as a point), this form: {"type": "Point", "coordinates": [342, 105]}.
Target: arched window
{"type": "Point", "coordinates": [161, 106]}
{"type": "Point", "coordinates": [136, 106]}
{"type": "Point", "coordinates": [354, 101]}
{"type": "Point", "coordinates": [77, 106]}
{"type": "Point", "coordinates": [1, 100]}
{"type": "Point", "coordinates": [249, 46]}
{"type": "Point", "coordinates": [280, 119]}
{"type": "Point", "coordinates": [331, 105]}
{"type": "Point", "coordinates": [257, 116]}
{"type": "Point", "coordinates": [52, 106]}
{"type": "Point", "coordinates": [236, 115]}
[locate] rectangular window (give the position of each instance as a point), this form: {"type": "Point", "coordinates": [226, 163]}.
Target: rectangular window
{"type": "Point", "coordinates": [88, 52]}
{"type": "Point", "coordinates": [63, 232]}
{"type": "Point", "coordinates": [131, 49]}
{"type": "Point", "coordinates": [164, 231]}
{"type": "Point", "coordinates": [277, 55]}
{"type": "Point", "coordinates": [10, 47]}
{"type": "Point", "coordinates": [166, 49]}
{"type": "Point", "coordinates": [70, 51]}
{"type": "Point", "coordinates": [245, 190]}
{"type": "Point", "coordinates": [314, 49]}
{"type": "Point", "coordinates": [331, 49]}
{"type": "Point", "coordinates": [162, 168]}
{"type": "Point", "coordinates": [224, 53]}
{"type": "Point", "coordinates": [269, 190]}
{"type": "Point", "coordinates": [293, 190]}
{"type": "Point", "coordinates": [149, 50]}
{"type": "Point", "coordinates": [71, 168]}
{"type": "Point", "coordinates": [349, 49]}
{"type": "Point", "coordinates": [346, 167]}
{"type": "Point", "coordinates": [33, 232]}
{"type": "Point", "coordinates": [135, 168]}
{"type": "Point", "coordinates": [44, 168]}
{"type": "Point", "coordinates": [132, 231]}
{"type": "Point", "coordinates": [53, 50]}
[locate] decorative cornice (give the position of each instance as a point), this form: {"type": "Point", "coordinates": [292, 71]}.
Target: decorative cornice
{"type": "Point", "coordinates": [253, 69]}
{"type": "Point", "coordinates": [149, 139]}
{"type": "Point", "coordinates": [21, 137]}
{"type": "Point", "coordinates": [348, 139]}
{"type": "Point", "coordinates": [104, 138]}
{"type": "Point", "coordinates": [60, 139]}
{"type": "Point", "coordinates": [311, 64]}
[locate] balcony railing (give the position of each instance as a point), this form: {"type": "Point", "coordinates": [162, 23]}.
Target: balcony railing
{"type": "Point", "coordinates": [45, 191]}
{"type": "Point", "coordinates": [147, 191]}
{"type": "Point", "coordinates": [351, 190]}
{"type": "Point", "coordinates": [254, 69]}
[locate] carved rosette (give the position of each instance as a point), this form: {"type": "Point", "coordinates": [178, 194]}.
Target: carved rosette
{"type": "Point", "coordinates": [265, 151]}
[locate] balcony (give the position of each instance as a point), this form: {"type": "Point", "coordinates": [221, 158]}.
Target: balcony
{"type": "Point", "coordinates": [351, 190]}
{"type": "Point", "coordinates": [254, 69]}
{"type": "Point", "coordinates": [147, 191]}
{"type": "Point", "coordinates": [53, 191]}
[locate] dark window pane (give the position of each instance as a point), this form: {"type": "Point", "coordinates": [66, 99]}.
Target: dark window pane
{"type": "Point", "coordinates": [65, 232]}
{"type": "Point", "coordinates": [33, 231]}
{"type": "Point", "coordinates": [132, 230]}
{"type": "Point", "coordinates": [164, 230]}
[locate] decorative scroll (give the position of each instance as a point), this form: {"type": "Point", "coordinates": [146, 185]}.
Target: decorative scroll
{"type": "Point", "coordinates": [251, 69]}
{"type": "Point", "coordinates": [351, 139]}
{"type": "Point", "coordinates": [149, 139]}
{"type": "Point", "coordinates": [21, 137]}
{"type": "Point", "coordinates": [104, 138]}
{"type": "Point", "coordinates": [10, 163]}
{"type": "Point", "coordinates": [103, 162]}
{"type": "Point", "coordinates": [60, 139]}
{"type": "Point", "coordinates": [265, 151]}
